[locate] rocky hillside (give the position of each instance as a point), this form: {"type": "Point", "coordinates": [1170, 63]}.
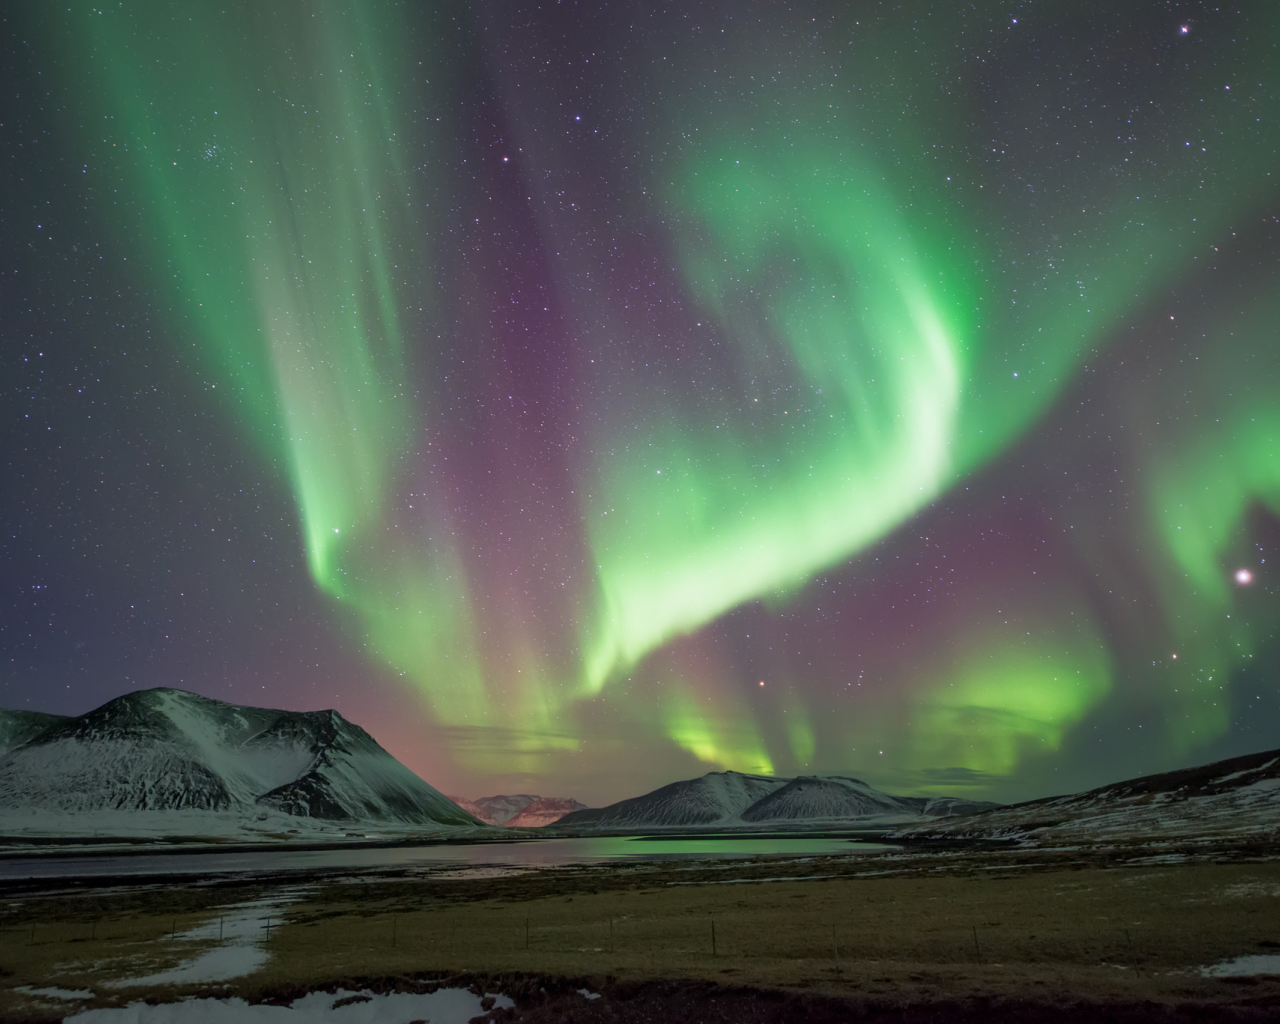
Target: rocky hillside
{"type": "Point", "coordinates": [1239, 798]}
{"type": "Point", "coordinates": [170, 750]}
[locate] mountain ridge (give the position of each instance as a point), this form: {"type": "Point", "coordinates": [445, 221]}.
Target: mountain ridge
{"type": "Point", "coordinates": [519, 810]}
{"type": "Point", "coordinates": [735, 799]}
{"type": "Point", "coordinates": [16, 727]}
{"type": "Point", "coordinates": [1237, 797]}
{"type": "Point", "coordinates": [165, 749]}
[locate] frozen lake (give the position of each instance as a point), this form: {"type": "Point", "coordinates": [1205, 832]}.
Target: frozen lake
{"type": "Point", "coordinates": [533, 853]}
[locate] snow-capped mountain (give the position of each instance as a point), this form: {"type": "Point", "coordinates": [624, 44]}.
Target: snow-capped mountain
{"type": "Point", "coordinates": [1234, 799]}
{"type": "Point", "coordinates": [732, 799]}
{"type": "Point", "coordinates": [716, 798]}
{"type": "Point", "coordinates": [831, 796]}
{"type": "Point", "coordinates": [522, 810]}
{"type": "Point", "coordinates": [16, 727]}
{"type": "Point", "coordinates": [170, 750]}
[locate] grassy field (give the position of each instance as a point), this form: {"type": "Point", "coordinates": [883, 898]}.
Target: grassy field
{"type": "Point", "coordinates": [864, 928]}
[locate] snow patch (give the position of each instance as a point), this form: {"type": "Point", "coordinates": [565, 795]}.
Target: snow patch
{"type": "Point", "coordinates": [55, 993]}
{"type": "Point", "coordinates": [241, 933]}
{"type": "Point", "coordinates": [1261, 786]}
{"type": "Point", "coordinates": [1233, 776]}
{"type": "Point", "coordinates": [444, 1006]}
{"type": "Point", "coordinates": [1242, 966]}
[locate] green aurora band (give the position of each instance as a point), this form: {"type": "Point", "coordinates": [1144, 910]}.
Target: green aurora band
{"type": "Point", "coordinates": [283, 201]}
{"type": "Point", "coordinates": [276, 158]}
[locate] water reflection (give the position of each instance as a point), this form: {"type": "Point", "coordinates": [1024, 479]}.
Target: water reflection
{"type": "Point", "coordinates": [535, 853]}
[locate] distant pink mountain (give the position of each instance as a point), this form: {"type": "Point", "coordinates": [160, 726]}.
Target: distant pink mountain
{"type": "Point", "coordinates": [543, 811]}
{"type": "Point", "coordinates": [522, 810]}
{"type": "Point", "coordinates": [471, 807]}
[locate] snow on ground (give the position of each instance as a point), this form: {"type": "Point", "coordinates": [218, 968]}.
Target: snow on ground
{"type": "Point", "coordinates": [1243, 966]}
{"type": "Point", "coordinates": [33, 822]}
{"type": "Point", "coordinates": [173, 829]}
{"type": "Point", "coordinates": [55, 993]}
{"type": "Point", "coordinates": [444, 1006]}
{"type": "Point", "coordinates": [1233, 776]}
{"type": "Point", "coordinates": [240, 932]}
{"type": "Point", "coordinates": [240, 935]}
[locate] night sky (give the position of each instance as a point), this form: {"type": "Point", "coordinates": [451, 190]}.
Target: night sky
{"type": "Point", "coordinates": [590, 395]}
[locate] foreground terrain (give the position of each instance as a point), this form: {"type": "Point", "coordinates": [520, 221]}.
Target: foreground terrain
{"type": "Point", "coordinates": [1047, 934]}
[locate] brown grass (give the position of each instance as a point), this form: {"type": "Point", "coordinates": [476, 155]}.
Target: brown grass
{"type": "Point", "coordinates": [937, 931]}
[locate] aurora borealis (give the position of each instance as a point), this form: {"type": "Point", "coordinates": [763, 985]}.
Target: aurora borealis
{"type": "Point", "coordinates": [586, 396]}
